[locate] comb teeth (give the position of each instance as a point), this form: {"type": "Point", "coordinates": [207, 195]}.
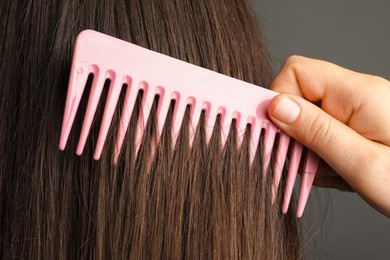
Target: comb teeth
{"type": "Point", "coordinates": [154, 74]}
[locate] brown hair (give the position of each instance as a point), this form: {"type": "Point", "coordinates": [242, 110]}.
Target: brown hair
{"type": "Point", "coordinates": [199, 202]}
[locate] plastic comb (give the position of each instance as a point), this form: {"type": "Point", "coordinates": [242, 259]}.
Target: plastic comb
{"type": "Point", "coordinates": [127, 64]}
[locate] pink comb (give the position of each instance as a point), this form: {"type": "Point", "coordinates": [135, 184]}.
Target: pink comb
{"type": "Point", "coordinates": [156, 74]}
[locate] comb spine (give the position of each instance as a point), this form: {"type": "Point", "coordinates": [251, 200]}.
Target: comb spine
{"type": "Point", "coordinates": [192, 80]}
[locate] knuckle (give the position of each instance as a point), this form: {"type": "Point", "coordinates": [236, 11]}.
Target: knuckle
{"type": "Point", "coordinates": [293, 60]}
{"type": "Point", "coordinates": [372, 177]}
{"type": "Point", "coordinates": [377, 82]}
{"type": "Point", "coordinates": [296, 63]}
{"type": "Point", "coordinates": [319, 132]}
{"type": "Point", "coordinates": [377, 161]}
{"type": "Point", "coordinates": [380, 81]}
{"type": "Point", "coordinates": [373, 167]}
{"type": "Point", "coordinates": [383, 85]}
{"type": "Point", "coordinates": [373, 160]}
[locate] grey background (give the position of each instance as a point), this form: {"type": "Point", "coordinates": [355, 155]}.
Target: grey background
{"type": "Point", "coordinates": [354, 34]}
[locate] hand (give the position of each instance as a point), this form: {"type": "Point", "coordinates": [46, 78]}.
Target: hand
{"type": "Point", "coordinates": [344, 117]}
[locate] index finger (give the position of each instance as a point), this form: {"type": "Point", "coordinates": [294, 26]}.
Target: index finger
{"type": "Point", "coordinates": [317, 80]}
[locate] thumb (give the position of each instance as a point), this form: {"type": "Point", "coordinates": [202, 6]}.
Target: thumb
{"type": "Point", "coordinates": [333, 141]}
{"type": "Point", "coordinates": [363, 164]}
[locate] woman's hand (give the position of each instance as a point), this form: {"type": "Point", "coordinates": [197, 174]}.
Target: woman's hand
{"type": "Point", "coordinates": [344, 117]}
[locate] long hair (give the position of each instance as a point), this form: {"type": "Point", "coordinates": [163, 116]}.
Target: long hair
{"type": "Point", "coordinates": [197, 202]}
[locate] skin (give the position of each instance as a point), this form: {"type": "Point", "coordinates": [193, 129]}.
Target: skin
{"type": "Point", "coordinates": [344, 117]}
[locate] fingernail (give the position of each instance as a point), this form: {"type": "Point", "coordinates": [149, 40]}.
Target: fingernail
{"type": "Point", "coordinates": [286, 110]}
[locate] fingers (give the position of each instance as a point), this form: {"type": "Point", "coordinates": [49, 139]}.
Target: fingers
{"type": "Point", "coordinates": [348, 96]}
{"type": "Point", "coordinates": [317, 130]}
{"type": "Point", "coordinates": [326, 177]}
{"type": "Point", "coordinates": [333, 182]}
{"type": "Point", "coordinates": [350, 129]}
{"type": "Point", "coordinates": [359, 161]}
